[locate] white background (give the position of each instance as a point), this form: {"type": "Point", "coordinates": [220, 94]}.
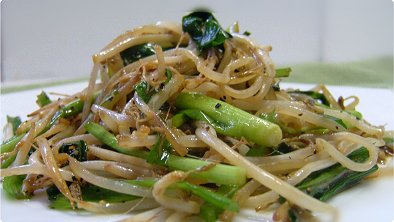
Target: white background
{"type": "Point", "coordinates": [44, 39]}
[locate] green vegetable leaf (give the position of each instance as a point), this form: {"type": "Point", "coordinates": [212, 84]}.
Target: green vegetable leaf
{"type": "Point", "coordinates": [326, 183]}
{"type": "Point", "coordinates": [355, 113]}
{"type": "Point", "coordinates": [209, 212]}
{"type": "Point", "coordinates": [314, 95]}
{"type": "Point", "coordinates": [137, 52]}
{"type": "Point", "coordinates": [42, 99]}
{"type": "Point", "coordinates": [142, 90]}
{"type": "Point", "coordinates": [339, 121]}
{"type": "Point", "coordinates": [9, 145]}
{"type": "Point", "coordinates": [168, 75]}
{"type": "Point", "coordinates": [204, 29]}
{"type": "Point", "coordinates": [282, 148]}
{"type": "Point", "coordinates": [12, 185]}
{"type": "Point", "coordinates": [247, 33]}
{"type": "Point", "coordinates": [15, 122]}
{"type": "Point", "coordinates": [216, 199]}
{"type": "Point", "coordinates": [78, 150]}
{"type": "Point", "coordinates": [69, 110]}
{"type": "Point", "coordinates": [160, 152]}
{"type": "Point", "coordinates": [259, 151]}
{"type": "Point", "coordinates": [90, 193]}
{"type": "Point", "coordinates": [293, 216]}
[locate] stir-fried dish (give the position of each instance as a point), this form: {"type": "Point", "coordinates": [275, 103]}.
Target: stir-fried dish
{"type": "Point", "coordinates": [189, 123]}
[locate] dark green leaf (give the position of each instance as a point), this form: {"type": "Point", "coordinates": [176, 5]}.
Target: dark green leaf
{"type": "Point", "coordinates": [78, 150]}
{"type": "Point", "coordinates": [142, 90]}
{"type": "Point", "coordinates": [204, 29]}
{"type": "Point", "coordinates": [160, 152]}
{"type": "Point", "coordinates": [247, 33]}
{"type": "Point", "coordinates": [90, 193]}
{"type": "Point", "coordinates": [326, 183]}
{"type": "Point", "coordinates": [137, 52]}
{"type": "Point", "coordinates": [52, 192]}
{"type": "Point", "coordinates": [259, 151]}
{"type": "Point", "coordinates": [314, 95]}
{"type": "Point", "coordinates": [293, 216]}
{"type": "Point", "coordinates": [339, 121]}
{"type": "Point", "coordinates": [43, 99]}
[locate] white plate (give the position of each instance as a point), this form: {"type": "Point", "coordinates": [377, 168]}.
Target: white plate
{"type": "Point", "coordinates": [373, 200]}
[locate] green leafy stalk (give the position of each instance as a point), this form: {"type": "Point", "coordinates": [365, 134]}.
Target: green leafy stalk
{"type": "Point", "coordinates": [7, 162]}
{"type": "Point", "coordinates": [204, 29]}
{"type": "Point", "coordinates": [282, 72]}
{"type": "Point", "coordinates": [229, 120]}
{"type": "Point", "coordinates": [217, 199]}
{"type": "Point", "coordinates": [209, 212]}
{"type": "Point", "coordinates": [69, 110]}
{"type": "Point", "coordinates": [146, 182]}
{"type": "Point", "coordinates": [209, 196]}
{"type": "Point", "coordinates": [10, 144]}
{"type": "Point", "coordinates": [179, 119]}
{"type": "Point", "coordinates": [102, 134]}
{"type": "Point", "coordinates": [355, 113]}
{"type": "Point", "coordinates": [43, 99]}
{"type": "Point", "coordinates": [219, 173]}
{"type": "Point", "coordinates": [326, 183]}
